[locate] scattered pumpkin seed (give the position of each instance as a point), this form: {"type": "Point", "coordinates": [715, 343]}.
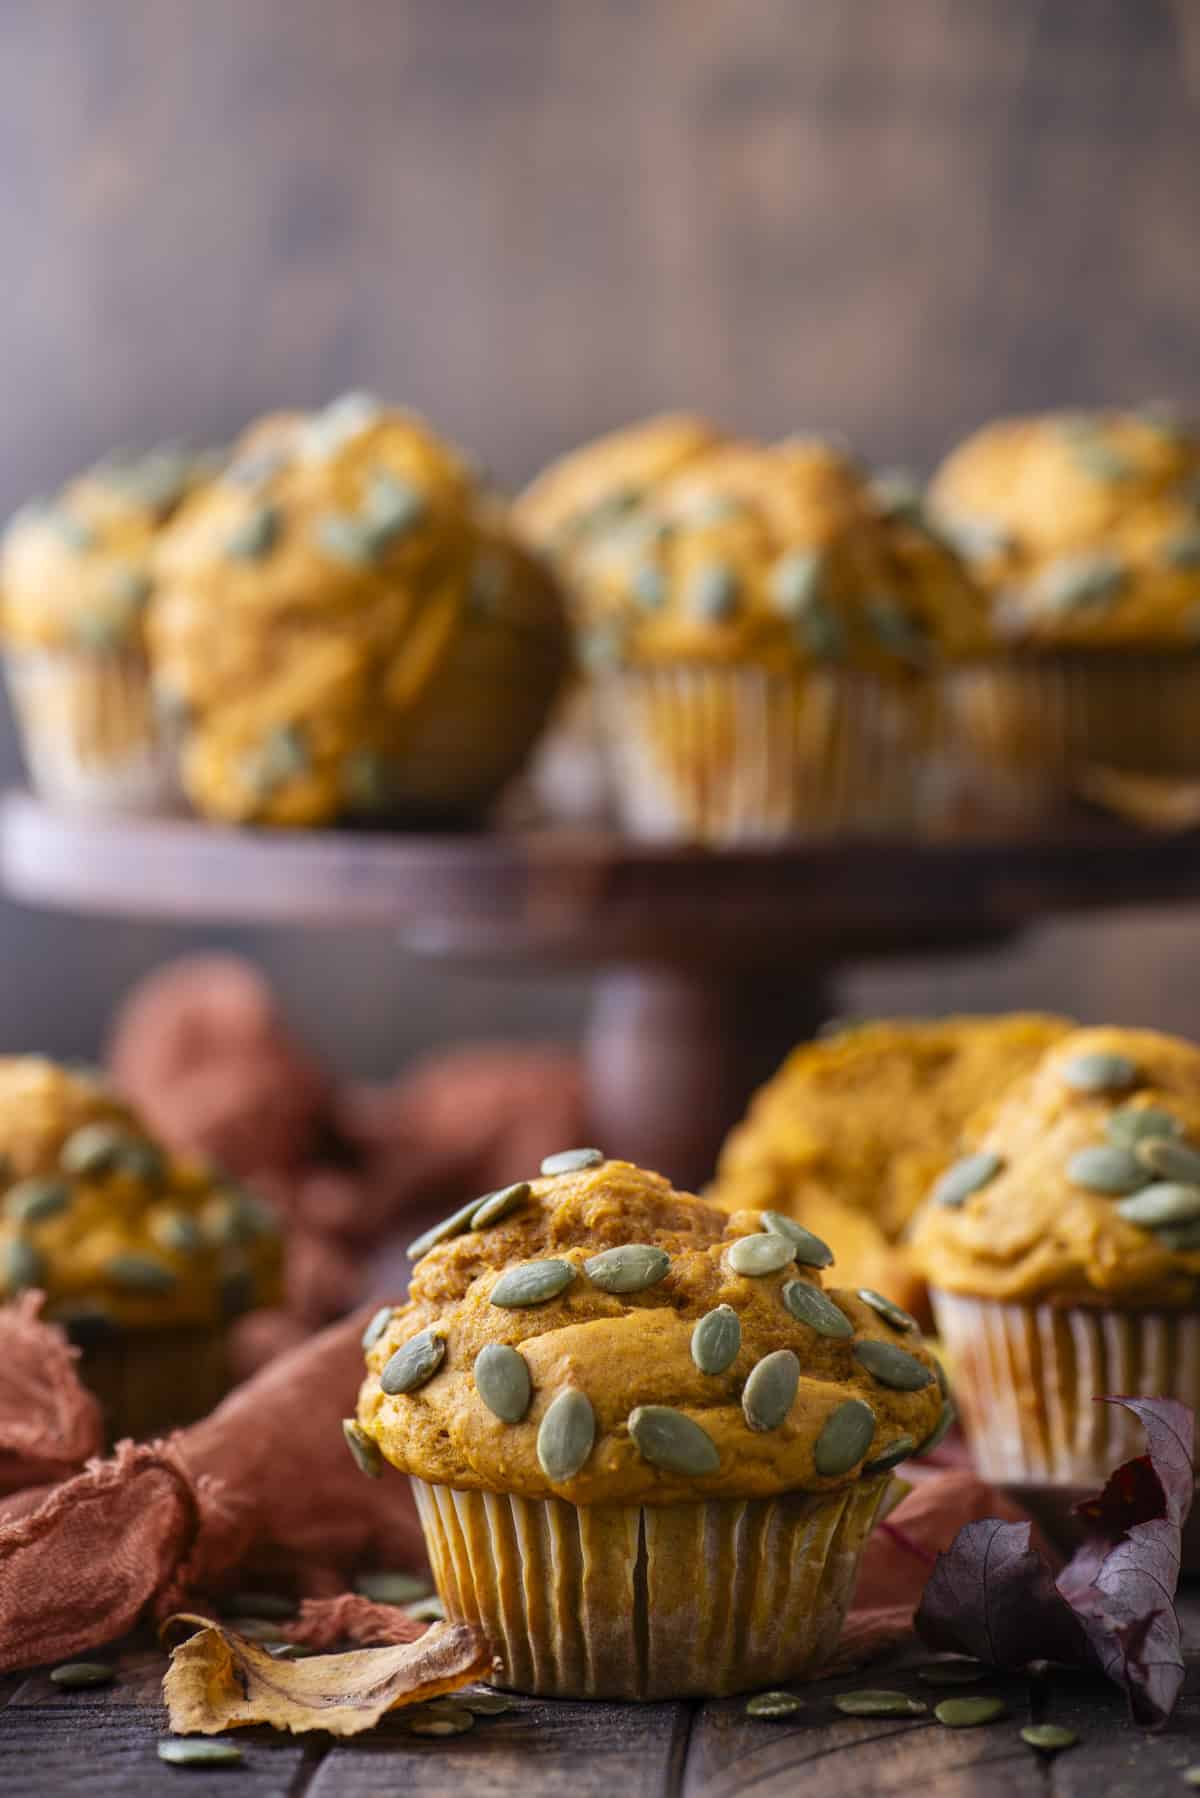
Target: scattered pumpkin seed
{"type": "Point", "coordinates": [79, 1676]}
{"type": "Point", "coordinates": [1049, 1737]}
{"type": "Point", "coordinates": [966, 1176]}
{"type": "Point", "coordinates": [713, 592]}
{"type": "Point", "coordinates": [951, 1673]}
{"type": "Point", "coordinates": [673, 1441]}
{"type": "Point", "coordinates": [893, 1366]}
{"type": "Point", "coordinates": [289, 1651]}
{"type": "Point", "coordinates": [632, 1267]}
{"type": "Point", "coordinates": [413, 1363]}
{"type": "Point", "coordinates": [502, 1381]}
{"type": "Point", "coordinates": [890, 1313]}
{"type": "Point", "coordinates": [454, 1225]}
{"type": "Point", "coordinates": [531, 1283]}
{"type": "Point", "coordinates": [1171, 1159]}
{"type": "Point", "coordinates": [873, 1702]}
{"type": "Point", "coordinates": [572, 1161]}
{"type": "Point", "coordinates": [498, 1204]}
{"type": "Point", "coordinates": [770, 1390]}
{"type": "Point", "coordinates": [771, 1705]}
{"type": "Point", "coordinates": [485, 1704]}
{"type": "Point", "coordinates": [388, 1585]}
{"type": "Point", "coordinates": [364, 1448]}
{"type": "Point", "coordinates": [1100, 1071]}
{"type": "Point", "coordinates": [32, 1201]}
{"type": "Point", "coordinates": [198, 1751]}
{"type": "Point", "coordinates": [807, 1249]}
{"type": "Point", "coordinates": [797, 578]}
{"type": "Point", "coordinates": [969, 1713]}
{"type": "Point", "coordinates": [376, 1327]}
{"type": "Point", "coordinates": [1103, 1167]}
{"type": "Point", "coordinates": [1191, 1775]}
{"type": "Point", "coordinates": [845, 1438]}
{"type": "Point", "coordinates": [902, 1449]}
{"type": "Point", "coordinates": [809, 1305]}
{"type": "Point", "coordinates": [566, 1435]}
{"type": "Point", "coordinates": [255, 536]}
{"type": "Point", "coordinates": [941, 1428]}
{"type": "Point", "coordinates": [1077, 583]}
{"type": "Point", "coordinates": [1183, 552]}
{"type": "Point", "coordinates": [427, 1610]}
{"type": "Point", "coordinates": [1166, 1202]}
{"type": "Point", "coordinates": [716, 1340]}
{"type": "Point", "coordinates": [756, 1256]}
{"type": "Point", "coordinates": [23, 1266]}
{"type": "Point", "coordinates": [140, 1273]}
{"type": "Point", "coordinates": [438, 1720]}
{"type": "Point", "coordinates": [648, 585]}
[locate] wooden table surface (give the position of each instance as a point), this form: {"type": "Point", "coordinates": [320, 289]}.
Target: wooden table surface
{"type": "Point", "coordinates": [55, 1743]}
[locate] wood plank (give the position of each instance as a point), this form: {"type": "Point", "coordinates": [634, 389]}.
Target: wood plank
{"type": "Point", "coordinates": [1114, 1758]}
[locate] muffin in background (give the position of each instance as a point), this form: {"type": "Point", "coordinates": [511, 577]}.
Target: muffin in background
{"type": "Point", "coordinates": [1062, 1252]}
{"type": "Point", "coordinates": [647, 1447]}
{"type": "Point", "coordinates": [145, 1258]}
{"type": "Point", "coordinates": [1084, 529]}
{"type": "Point", "coordinates": [849, 1134]}
{"type": "Point", "coordinates": [76, 574]}
{"type": "Point", "coordinates": [346, 629]}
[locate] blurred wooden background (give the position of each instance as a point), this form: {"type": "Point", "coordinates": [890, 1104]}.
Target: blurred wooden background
{"type": "Point", "coordinates": [537, 218]}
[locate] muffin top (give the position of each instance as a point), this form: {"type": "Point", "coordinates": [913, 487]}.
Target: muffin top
{"type": "Point", "coordinates": [1082, 1185]}
{"type": "Point", "coordinates": [1083, 526]}
{"type": "Point", "coordinates": [119, 1233]}
{"type": "Point", "coordinates": [595, 1335]}
{"type": "Point", "coordinates": [77, 571]}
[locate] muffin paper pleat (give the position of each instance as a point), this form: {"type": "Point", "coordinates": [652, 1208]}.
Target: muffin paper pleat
{"type": "Point", "coordinates": [90, 732]}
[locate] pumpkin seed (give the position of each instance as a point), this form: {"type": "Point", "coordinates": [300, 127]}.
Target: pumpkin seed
{"type": "Point", "coordinates": [951, 1673]}
{"type": "Point", "coordinates": [254, 470]}
{"type": "Point", "coordinates": [1101, 460]}
{"type": "Point", "coordinates": [648, 585]}
{"type": "Point", "coordinates": [71, 532]}
{"type": "Point", "coordinates": [1078, 583]}
{"type": "Point", "coordinates": [975, 539]}
{"type": "Point", "coordinates": [769, 1392]}
{"type": "Point", "coordinates": [893, 1366]}
{"type": "Point", "coordinates": [1166, 1202]}
{"type": "Point", "coordinates": [289, 1651]}
{"type": "Point", "coordinates": [898, 494]}
{"type": "Point", "coordinates": [632, 1267]}
{"type": "Point", "coordinates": [438, 1720]}
{"type": "Point", "coordinates": [566, 1435]}
{"type": "Point", "coordinates": [1105, 1168]}
{"type": "Point", "coordinates": [198, 1751]}
{"type": "Point", "coordinates": [877, 1703]}
{"type": "Point", "coordinates": [255, 536]}
{"type": "Point", "coordinates": [235, 1218]}
{"type": "Point", "coordinates": [1100, 1071]}
{"type": "Point", "coordinates": [797, 578]}
{"type": "Point", "coordinates": [900, 1450]}
{"type": "Point", "coordinates": [969, 1713]}
{"type": "Point", "coordinates": [93, 1149]}
{"type": "Point", "coordinates": [673, 1441]}
{"type": "Point", "coordinates": [376, 1327]}
{"type": "Point", "coordinates": [338, 423]}
{"type": "Point", "coordinates": [572, 1161]}
{"type": "Point", "coordinates": [23, 1266]}
{"type": "Point", "coordinates": [498, 1204]}
{"type": "Point", "coordinates": [388, 1585]}
{"type": "Point", "coordinates": [427, 1610]}
{"type": "Point", "coordinates": [131, 588]}
{"type": "Point", "coordinates": [819, 631]}
{"type": "Point", "coordinates": [485, 1704]}
{"type": "Point", "coordinates": [1191, 1775]}
{"type": "Point", "coordinates": [282, 757]}
{"type": "Point", "coordinates": [713, 508]}
{"type": "Point", "coordinates": [368, 781]}
{"type": "Point", "coordinates": [32, 1201]}
{"type": "Point", "coordinates": [755, 1256]}
{"type": "Point", "coordinates": [78, 1676]}
{"type": "Point", "coordinates": [809, 1305]}
{"type": "Point", "coordinates": [451, 1226]}
{"type": "Point", "coordinates": [807, 1249]}
{"type": "Point", "coordinates": [1049, 1737]}
{"type": "Point", "coordinates": [966, 1176]}
{"type": "Point", "coordinates": [897, 631]}
{"type": "Point", "coordinates": [140, 1273]}
{"type": "Point", "coordinates": [607, 511]}
{"type": "Point", "coordinates": [364, 1448]}
{"type": "Point", "coordinates": [774, 1704]}
{"type": "Point", "coordinates": [349, 540]}
{"type": "Point", "coordinates": [845, 1438]}
{"type": "Point", "coordinates": [1133, 1124]}
{"type": "Point", "coordinates": [502, 1381]}
{"type": "Point", "coordinates": [177, 1231]}
{"type": "Point", "coordinates": [602, 649]}
{"type": "Point", "coordinates": [413, 1363]}
{"type": "Point", "coordinates": [713, 592]}
{"type": "Point", "coordinates": [941, 1428]}
{"type": "Point", "coordinates": [532, 1283]}
{"type": "Point", "coordinates": [716, 1340]}
{"type": "Point", "coordinates": [1182, 1241]}
{"type": "Point", "coordinates": [394, 506]}
{"type": "Point", "coordinates": [890, 1313]}
{"type": "Point", "coordinates": [1183, 552]}
{"type": "Point", "coordinates": [1173, 1160]}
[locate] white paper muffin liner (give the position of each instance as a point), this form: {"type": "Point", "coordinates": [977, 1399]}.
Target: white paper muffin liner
{"type": "Point", "coordinates": [90, 732]}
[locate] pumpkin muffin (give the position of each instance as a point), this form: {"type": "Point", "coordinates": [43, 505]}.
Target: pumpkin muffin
{"type": "Point", "coordinates": [144, 1257]}
{"type": "Point", "coordinates": [849, 1134]}
{"type": "Point", "coordinates": [75, 579]}
{"type": "Point", "coordinates": [647, 1447]}
{"type": "Point", "coordinates": [1063, 1255]}
{"type": "Point", "coordinates": [346, 629]}
{"type": "Point", "coordinates": [1084, 528]}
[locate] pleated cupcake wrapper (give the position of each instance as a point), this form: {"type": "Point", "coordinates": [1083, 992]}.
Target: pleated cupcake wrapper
{"type": "Point", "coordinates": [152, 1381]}
{"type": "Point", "coordinates": [1026, 1378]}
{"type": "Point", "coordinates": [90, 732]}
{"type": "Point", "coordinates": [647, 1602]}
{"type": "Point", "coordinates": [744, 755]}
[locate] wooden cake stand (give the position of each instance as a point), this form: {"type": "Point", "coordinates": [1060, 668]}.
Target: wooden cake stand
{"type": "Point", "coordinates": [708, 965]}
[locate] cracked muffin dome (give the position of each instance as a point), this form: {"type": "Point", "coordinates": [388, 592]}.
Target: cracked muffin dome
{"type": "Point", "coordinates": [1082, 1187]}
{"type": "Point", "coordinates": [596, 1336]}
{"type": "Point", "coordinates": [1084, 527]}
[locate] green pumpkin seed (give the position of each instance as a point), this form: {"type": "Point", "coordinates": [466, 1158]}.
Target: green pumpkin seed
{"type": "Point", "coordinates": [890, 1313]}
{"type": "Point", "coordinates": [1101, 460]}
{"type": "Point", "coordinates": [902, 1449]}
{"type": "Point", "coordinates": [1191, 1775]}
{"type": "Point", "coordinates": [713, 592]}
{"type": "Point", "coordinates": [32, 1201]}
{"type": "Point", "coordinates": [648, 585]}
{"type": "Point", "coordinates": [532, 1283]}
{"type": "Point", "coordinates": [1049, 1737]}
{"type": "Point", "coordinates": [819, 632]}
{"type": "Point", "coordinates": [289, 1651]}
{"type": "Point", "coordinates": [756, 1256]}
{"type": "Point", "coordinates": [951, 1673]}
{"type": "Point", "coordinates": [1079, 583]}
{"type": "Point", "coordinates": [255, 536]}
{"type": "Point", "coordinates": [633, 1267]}
{"type": "Point", "coordinates": [443, 1719]}
{"type": "Point", "coordinates": [770, 1390]}
{"type": "Point", "coordinates": [198, 1751]}
{"type": "Point", "coordinates": [177, 1231]}
{"type": "Point", "coordinates": [1100, 1071]}
{"type": "Point", "coordinates": [394, 506]}
{"type": "Point", "coordinates": [809, 1305]}
{"type": "Point", "coordinates": [391, 1586]}
{"type": "Point", "coordinates": [498, 1204]}
{"type": "Point", "coordinates": [93, 1149]}
{"type": "Point", "coordinates": [964, 1177]}
{"type": "Point", "coordinates": [485, 1704]}
{"type": "Point", "coordinates": [376, 1327]}
{"type": "Point", "coordinates": [415, 1362]}
{"type": "Point", "coordinates": [364, 1448]}
{"type": "Point", "coordinates": [807, 1249]}
{"type": "Point", "coordinates": [454, 1225]}
{"type": "Point", "coordinates": [607, 511]}
{"type": "Point", "coordinates": [255, 470]}
{"type": "Point", "coordinates": [975, 539]}
{"type": "Point", "coordinates": [1105, 1168]}
{"type": "Point", "coordinates": [1183, 551]}
{"type": "Point", "coordinates": [1133, 1124]}
{"type": "Point", "coordinates": [797, 579]}
{"type": "Point", "coordinates": [1170, 1159]}
{"type": "Point", "coordinates": [368, 780]}
{"type": "Point", "coordinates": [900, 634]}
{"type": "Point", "coordinates": [845, 1438]}
{"type": "Point", "coordinates": [1166, 1202]}
{"type": "Point", "coordinates": [502, 1381]}
{"type": "Point", "coordinates": [80, 1676]}
{"type": "Point", "coordinates": [71, 532]}
{"type": "Point", "coordinates": [941, 1428]}
{"type": "Point", "coordinates": [140, 1274]}
{"type": "Point", "coordinates": [969, 1713]}
{"type": "Point", "coordinates": [349, 540]}
{"type": "Point", "coordinates": [283, 757]}
{"type": "Point", "coordinates": [602, 649]}
{"type": "Point", "coordinates": [572, 1161]}
{"type": "Point", "coordinates": [877, 1703]}
{"type": "Point", "coordinates": [326, 431]}
{"type": "Point", "coordinates": [1182, 1241]}
{"type": "Point", "coordinates": [427, 1610]}
{"type": "Point", "coordinates": [893, 1366]}
{"type": "Point", "coordinates": [233, 1219]}
{"type": "Point", "coordinates": [673, 1441]}
{"type": "Point", "coordinates": [130, 588]}
{"type": "Point", "coordinates": [716, 1340]}
{"type": "Point", "coordinates": [23, 1266]}
{"type": "Point", "coordinates": [771, 1705]}
{"type": "Point", "coordinates": [566, 1436]}
{"type": "Point", "coordinates": [898, 495]}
